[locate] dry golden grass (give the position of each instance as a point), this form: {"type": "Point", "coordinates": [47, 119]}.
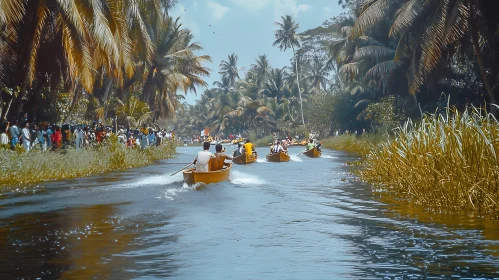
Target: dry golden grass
{"type": "Point", "coordinates": [34, 167]}
{"type": "Point", "coordinates": [446, 162]}
{"type": "Point", "coordinates": [362, 145]}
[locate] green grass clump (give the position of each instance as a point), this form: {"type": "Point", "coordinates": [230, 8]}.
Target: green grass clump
{"type": "Point", "coordinates": [361, 145]}
{"type": "Point", "coordinates": [446, 162]}
{"type": "Point", "coordinates": [265, 141]}
{"type": "Point", "coordinates": [34, 167]}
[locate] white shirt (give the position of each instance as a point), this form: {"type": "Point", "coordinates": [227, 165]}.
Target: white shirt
{"type": "Point", "coordinates": [278, 148]}
{"type": "Point", "coordinates": [26, 135]}
{"type": "Point", "coordinates": [202, 160]}
{"type": "Point", "coordinates": [4, 140]}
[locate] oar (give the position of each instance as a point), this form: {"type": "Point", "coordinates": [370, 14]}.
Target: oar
{"type": "Point", "coordinates": [182, 169]}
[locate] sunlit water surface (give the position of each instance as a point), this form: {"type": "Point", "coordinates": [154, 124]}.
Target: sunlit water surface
{"type": "Point", "coordinates": [305, 219]}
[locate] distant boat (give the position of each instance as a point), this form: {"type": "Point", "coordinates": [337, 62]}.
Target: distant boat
{"type": "Point", "coordinates": [191, 176]}
{"type": "Point", "coordinates": [243, 160]}
{"type": "Point", "coordinates": [278, 157]}
{"type": "Point", "coordinates": [314, 153]}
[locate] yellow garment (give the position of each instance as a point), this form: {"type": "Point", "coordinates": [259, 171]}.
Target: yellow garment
{"type": "Point", "coordinates": [144, 131]}
{"type": "Point", "coordinates": [249, 150]}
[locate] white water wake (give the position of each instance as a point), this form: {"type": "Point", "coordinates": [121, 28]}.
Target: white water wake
{"type": "Point", "coordinates": [244, 179]}
{"type": "Point", "coordinates": [262, 160]}
{"type": "Point", "coordinates": [295, 158]}
{"type": "Point", "coordinates": [326, 156]}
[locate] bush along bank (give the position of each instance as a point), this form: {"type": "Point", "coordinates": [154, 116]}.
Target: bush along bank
{"type": "Point", "coordinates": [447, 162]}
{"type": "Point", "coordinates": [35, 167]}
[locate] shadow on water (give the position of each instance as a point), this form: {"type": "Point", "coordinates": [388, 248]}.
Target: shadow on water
{"type": "Point", "coordinates": [80, 243]}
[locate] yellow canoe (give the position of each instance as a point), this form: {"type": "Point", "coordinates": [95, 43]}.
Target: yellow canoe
{"type": "Point", "coordinates": [279, 157]}
{"type": "Point", "coordinates": [191, 176]}
{"type": "Point", "coordinates": [237, 141]}
{"type": "Point", "coordinates": [242, 159]}
{"type": "Point", "coordinates": [313, 153]}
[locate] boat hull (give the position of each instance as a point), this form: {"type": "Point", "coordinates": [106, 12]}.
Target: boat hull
{"type": "Point", "coordinates": [279, 157]}
{"type": "Point", "coordinates": [243, 160]}
{"type": "Point", "coordinates": [314, 153]}
{"type": "Point", "coordinates": [192, 177]}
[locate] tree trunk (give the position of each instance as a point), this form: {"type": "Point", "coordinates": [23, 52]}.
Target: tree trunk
{"type": "Point", "coordinates": [76, 96]}
{"type": "Point", "coordinates": [107, 89]}
{"type": "Point", "coordinates": [299, 89]}
{"type": "Point", "coordinates": [481, 62]}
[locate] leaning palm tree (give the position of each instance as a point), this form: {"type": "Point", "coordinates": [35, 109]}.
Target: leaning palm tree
{"type": "Point", "coordinates": [286, 37]}
{"type": "Point", "coordinates": [229, 69]}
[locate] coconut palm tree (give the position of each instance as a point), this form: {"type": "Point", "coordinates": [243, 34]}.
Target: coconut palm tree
{"type": "Point", "coordinates": [261, 68]}
{"type": "Point", "coordinates": [229, 68]}
{"type": "Point", "coordinates": [286, 37]}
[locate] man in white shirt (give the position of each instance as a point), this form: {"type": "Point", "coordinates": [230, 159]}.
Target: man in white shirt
{"type": "Point", "coordinates": [203, 158]}
{"type": "Point", "coordinates": [26, 137]}
{"type": "Point", "coordinates": [278, 148]}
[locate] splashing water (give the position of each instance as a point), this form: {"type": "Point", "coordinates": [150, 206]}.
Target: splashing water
{"type": "Point", "coordinates": [165, 179]}
{"type": "Point", "coordinates": [244, 179]}
{"type": "Point", "coordinates": [295, 158]}
{"type": "Point", "coordinates": [262, 160]}
{"type": "Point", "coordinates": [329, 157]}
{"type": "Point", "coordinates": [170, 194]}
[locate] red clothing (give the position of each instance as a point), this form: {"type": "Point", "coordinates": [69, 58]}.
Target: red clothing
{"type": "Point", "coordinates": [57, 138]}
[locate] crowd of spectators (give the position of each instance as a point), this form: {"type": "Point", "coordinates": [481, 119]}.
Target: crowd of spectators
{"type": "Point", "coordinates": [44, 136]}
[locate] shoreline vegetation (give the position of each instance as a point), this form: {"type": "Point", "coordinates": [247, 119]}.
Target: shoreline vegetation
{"type": "Point", "coordinates": [445, 162]}
{"type": "Point", "coordinates": [20, 168]}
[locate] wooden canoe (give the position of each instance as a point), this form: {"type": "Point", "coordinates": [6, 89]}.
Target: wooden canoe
{"type": "Point", "coordinates": [191, 176]}
{"type": "Point", "coordinates": [279, 157]}
{"type": "Point", "coordinates": [242, 159]}
{"type": "Point", "coordinates": [313, 153]}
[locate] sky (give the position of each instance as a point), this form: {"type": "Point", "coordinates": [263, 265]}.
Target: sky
{"type": "Point", "coordinates": [246, 28]}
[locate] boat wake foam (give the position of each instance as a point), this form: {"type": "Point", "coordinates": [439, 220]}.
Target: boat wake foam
{"type": "Point", "coordinates": [164, 179]}
{"type": "Point", "coordinates": [170, 194]}
{"type": "Point", "coordinates": [262, 160]}
{"type": "Point", "coordinates": [295, 158]}
{"type": "Point", "coordinates": [326, 156]}
{"type": "Point", "coordinates": [244, 179]}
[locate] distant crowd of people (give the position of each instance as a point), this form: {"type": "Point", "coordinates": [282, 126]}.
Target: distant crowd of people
{"type": "Point", "coordinates": [43, 136]}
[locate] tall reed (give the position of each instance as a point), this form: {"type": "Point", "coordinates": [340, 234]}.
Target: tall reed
{"type": "Point", "coordinates": [361, 145]}
{"type": "Point", "coordinates": [34, 167]}
{"type": "Point", "coordinates": [446, 162]}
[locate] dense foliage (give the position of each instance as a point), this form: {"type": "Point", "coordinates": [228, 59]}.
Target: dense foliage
{"type": "Point", "coordinates": [87, 60]}
{"type": "Point", "coordinates": [372, 67]}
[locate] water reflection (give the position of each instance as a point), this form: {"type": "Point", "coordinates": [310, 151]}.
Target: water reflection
{"type": "Point", "coordinates": [306, 219]}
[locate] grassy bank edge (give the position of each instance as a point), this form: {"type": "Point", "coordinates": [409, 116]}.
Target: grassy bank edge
{"type": "Point", "coordinates": [36, 167]}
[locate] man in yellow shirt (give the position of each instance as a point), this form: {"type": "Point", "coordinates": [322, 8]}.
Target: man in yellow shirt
{"type": "Point", "coordinates": [249, 148]}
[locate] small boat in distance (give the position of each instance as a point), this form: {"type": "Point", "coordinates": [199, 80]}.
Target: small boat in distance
{"type": "Point", "coordinates": [191, 176]}
{"type": "Point", "coordinates": [278, 157]}
{"type": "Point", "coordinates": [314, 153]}
{"type": "Point", "coordinates": [243, 160]}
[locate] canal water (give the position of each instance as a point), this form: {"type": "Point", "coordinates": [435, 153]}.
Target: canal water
{"type": "Point", "coordinates": [305, 219]}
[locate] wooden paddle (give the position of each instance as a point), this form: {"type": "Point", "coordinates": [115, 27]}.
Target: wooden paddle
{"type": "Point", "coordinates": [182, 169]}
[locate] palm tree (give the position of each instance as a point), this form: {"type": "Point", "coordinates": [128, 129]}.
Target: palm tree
{"type": "Point", "coordinates": [173, 66]}
{"type": "Point", "coordinates": [261, 68]}
{"type": "Point", "coordinates": [319, 72]}
{"type": "Point", "coordinates": [229, 69]}
{"type": "Point", "coordinates": [426, 31]}
{"type": "Point", "coordinates": [286, 37]}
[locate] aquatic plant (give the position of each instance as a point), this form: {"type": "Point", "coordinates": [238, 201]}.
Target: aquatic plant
{"type": "Point", "coordinates": [36, 166]}
{"type": "Point", "coordinates": [447, 161]}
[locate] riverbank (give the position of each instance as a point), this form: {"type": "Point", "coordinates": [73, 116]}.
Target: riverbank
{"type": "Point", "coordinates": [446, 162]}
{"type": "Point", "coordinates": [36, 167]}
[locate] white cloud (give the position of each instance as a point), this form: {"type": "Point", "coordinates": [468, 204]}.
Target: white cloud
{"type": "Point", "coordinates": [218, 10]}
{"type": "Point", "coordinates": [252, 5]}
{"type": "Point", "coordinates": [289, 7]}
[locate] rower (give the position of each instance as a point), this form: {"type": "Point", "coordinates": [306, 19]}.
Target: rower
{"type": "Point", "coordinates": [310, 145]}
{"type": "Point", "coordinates": [250, 149]}
{"type": "Point", "coordinates": [203, 158]}
{"type": "Point", "coordinates": [219, 161]}
{"type": "Point", "coordinates": [277, 148]}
